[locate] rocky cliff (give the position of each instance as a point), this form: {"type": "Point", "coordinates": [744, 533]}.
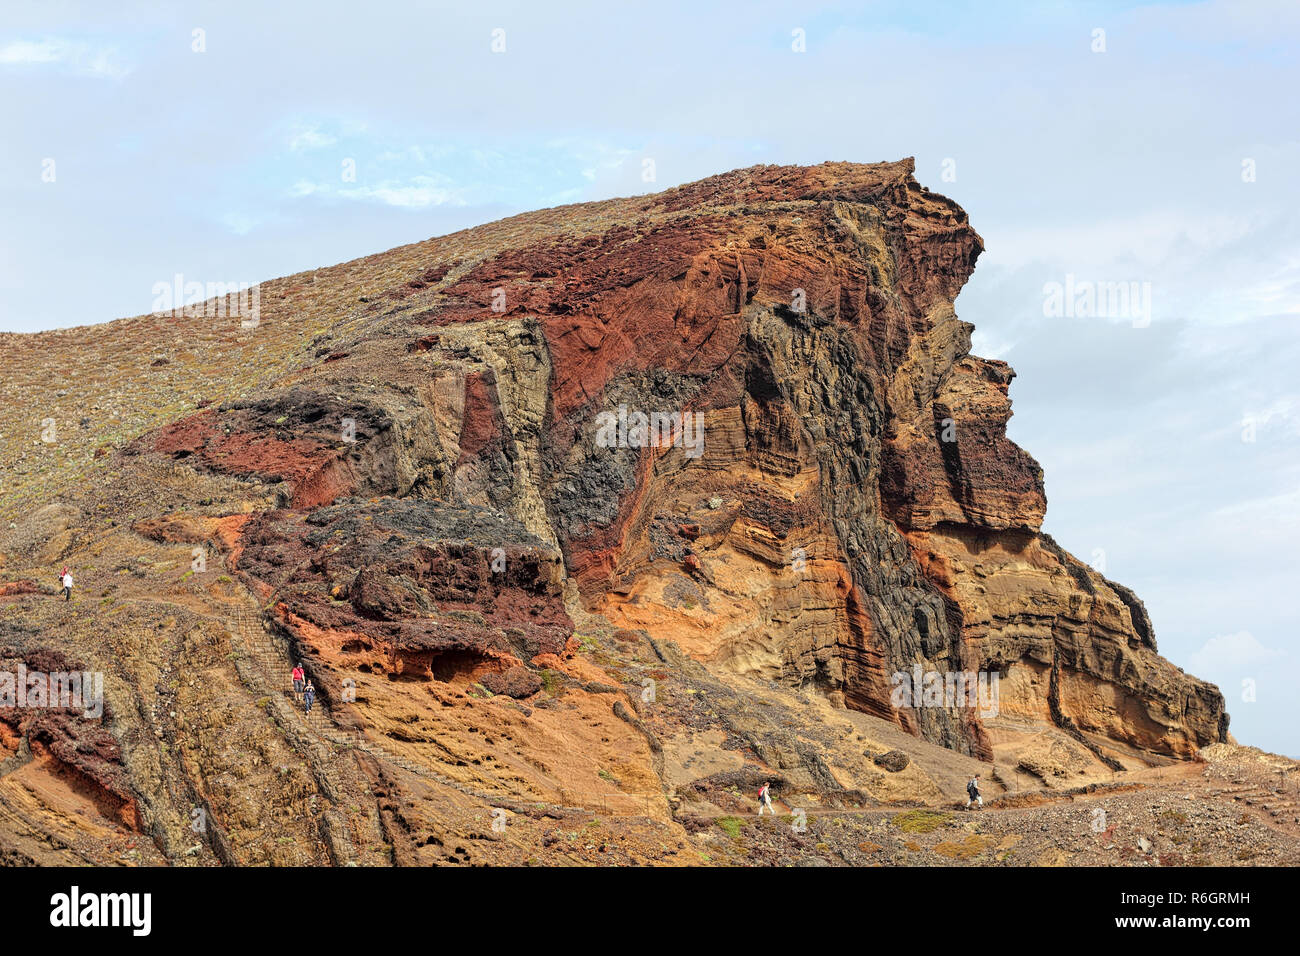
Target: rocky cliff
{"type": "Point", "coordinates": [517, 495]}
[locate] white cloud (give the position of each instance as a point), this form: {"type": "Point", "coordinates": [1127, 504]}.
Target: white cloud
{"type": "Point", "coordinates": [985, 346]}
{"type": "Point", "coordinates": [79, 57]}
{"type": "Point", "coordinates": [303, 138]}
{"type": "Point", "coordinates": [409, 154]}
{"type": "Point", "coordinates": [29, 51]}
{"type": "Point", "coordinates": [419, 193]}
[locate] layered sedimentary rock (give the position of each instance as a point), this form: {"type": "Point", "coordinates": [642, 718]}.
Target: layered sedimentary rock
{"type": "Point", "coordinates": [852, 508]}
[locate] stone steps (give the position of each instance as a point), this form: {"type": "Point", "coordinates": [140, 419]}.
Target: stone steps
{"type": "Point", "coordinates": [1281, 805]}
{"type": "Point", "coordinates": [269, 676]}
{"type": "Point", "coordinates": [272, 656]}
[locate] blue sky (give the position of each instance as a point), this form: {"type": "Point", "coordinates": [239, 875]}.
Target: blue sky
{"type": "Point", "coordinates": [1122, 164]}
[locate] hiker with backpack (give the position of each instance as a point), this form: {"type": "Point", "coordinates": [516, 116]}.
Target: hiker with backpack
{"type": "Point", "coordinates": [973, 792]}
{"type": "Point", "coordinates": [308, 695]}
{"type": "Point", "coordinates": [298, 676]}
{"type": "Point", "coordinates": [765, 799]}
{"type": "Point", "coordinates": [65, 582]}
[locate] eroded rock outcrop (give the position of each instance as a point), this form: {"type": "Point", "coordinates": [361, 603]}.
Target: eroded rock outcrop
{"type": "Point", "coordinates": [835, 500]}
{"type": "Point", "coordinates": [408, 589]}
{"type": "Point", "coordinates": [53, 715]}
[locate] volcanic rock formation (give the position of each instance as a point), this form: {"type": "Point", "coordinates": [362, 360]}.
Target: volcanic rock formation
{"type": "Point", "coordinates": [807, 484]}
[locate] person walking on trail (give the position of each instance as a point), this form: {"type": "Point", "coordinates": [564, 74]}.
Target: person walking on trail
{"type": "Point", "coordinates": [308, 695]}
{"type": "Point", "coordinates": [765, 799]}
{"type": "Point", "coordinates": [973, 792]}
{"type": "Point", "coordinates": [65, 581]}
{"type": "Point", "coordinates": [297, 679]}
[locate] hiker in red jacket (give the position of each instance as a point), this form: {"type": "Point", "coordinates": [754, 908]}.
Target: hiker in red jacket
{"type": "Point", "coordinates": [297, 679]}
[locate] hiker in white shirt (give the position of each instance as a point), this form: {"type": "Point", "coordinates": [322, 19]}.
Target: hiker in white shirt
{"type": "Point", "coordinates": [765, 799]}
{"type": "Point", "coordinates": [66, 580]}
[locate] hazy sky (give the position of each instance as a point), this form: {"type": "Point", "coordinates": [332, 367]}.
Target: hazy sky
{"type": "Point", "coordinates": [1162, 152]}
